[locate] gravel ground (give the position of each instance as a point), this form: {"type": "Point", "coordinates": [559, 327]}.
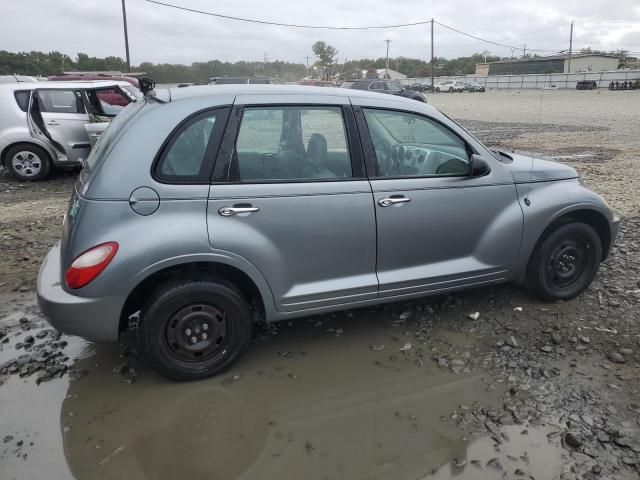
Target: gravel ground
{"type": "Point", "coordinates": [491, 382]}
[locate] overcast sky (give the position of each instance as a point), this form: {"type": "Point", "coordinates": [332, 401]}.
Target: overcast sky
{"type": "Point", "coordinates": [161, 34]}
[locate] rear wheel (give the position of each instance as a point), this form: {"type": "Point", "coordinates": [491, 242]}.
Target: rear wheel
{"type": "Point", "coordinates": [192, 330]}
{"type": "Point", "coordinates": [565, 262]}
{"type": "Point", "coordinates": [28, 162]}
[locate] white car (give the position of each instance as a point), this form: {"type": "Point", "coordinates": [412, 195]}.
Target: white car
{"type": "Point", "coordinates": [449, 86]}
{"type": "Point", "coordinates": [44, 125]}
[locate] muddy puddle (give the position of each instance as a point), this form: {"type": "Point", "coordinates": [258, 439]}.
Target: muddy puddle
{"type": "Point", "coordinates": [332, 397]}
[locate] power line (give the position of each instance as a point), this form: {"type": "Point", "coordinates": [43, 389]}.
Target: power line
{"type": "Point", "coordinates": [364, 27]}
{"type": "Point", "coordinates": [488, 41]}
{"type": "Point", "coordinates": [608, 22]}
{"type": "Point", "coordinates": [280, 24]}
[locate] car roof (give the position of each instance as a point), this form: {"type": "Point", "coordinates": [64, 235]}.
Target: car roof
{"type": "Point", "coordinates": [176, 94]}
{"type": "Point", "coordinates": [61, 84]}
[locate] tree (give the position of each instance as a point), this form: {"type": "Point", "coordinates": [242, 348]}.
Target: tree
{"type": "Point", "coordinates": [326, 54]}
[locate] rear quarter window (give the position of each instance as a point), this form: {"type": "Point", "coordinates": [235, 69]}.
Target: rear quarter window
{"type": "Point", "coordinates": [188, 154]}
{"type": "Point", "coordinates": [22, 99]}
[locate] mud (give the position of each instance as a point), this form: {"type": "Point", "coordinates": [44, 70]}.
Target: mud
{"type": "Point", "coordinates": [486, 384]}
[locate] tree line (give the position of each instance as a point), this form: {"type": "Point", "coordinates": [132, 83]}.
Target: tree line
{"type": "Point", "coordinates": [54, 63]}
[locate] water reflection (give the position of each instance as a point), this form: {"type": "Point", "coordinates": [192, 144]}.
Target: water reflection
{"type": "Point", "coordinates": [314, 402]}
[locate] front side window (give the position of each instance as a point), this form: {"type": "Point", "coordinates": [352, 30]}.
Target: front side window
{"type": "Point", "coordinates": [60, 101]}
{"type": "Point", "coordinates": [292, 143]}
{"type": "Point", "coordinates": [409, 145]}
{"type": "Point", "coordinates": [183, 159]}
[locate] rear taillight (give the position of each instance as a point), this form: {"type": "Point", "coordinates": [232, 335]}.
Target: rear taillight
{"type": "Point", "coordinates": [87, 266]}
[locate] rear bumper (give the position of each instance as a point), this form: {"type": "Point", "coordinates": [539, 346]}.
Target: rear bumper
{"type": "Point", "coordinates": [95, 319]}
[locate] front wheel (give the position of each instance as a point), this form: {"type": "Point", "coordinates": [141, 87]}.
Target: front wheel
{"type": "Point", "coordinates": [565, 262]}
{"type": "Point", "coordinates": [194, 329]}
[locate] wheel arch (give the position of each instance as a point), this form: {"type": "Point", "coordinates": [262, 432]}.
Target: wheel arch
{"type": "Point", "coordinates": [5, 150]}
{"type": "Point", "coordinates": [223, 272]}
{"type": "Point", "coordinates": [595, 219]}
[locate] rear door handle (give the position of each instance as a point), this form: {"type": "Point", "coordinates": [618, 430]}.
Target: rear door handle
{"type": "Point", "coordinates": [387, 202]}
{"type": "Point", "coordinates": [229, 211]}
{"type": "Point", "coordinates": [52, 122]}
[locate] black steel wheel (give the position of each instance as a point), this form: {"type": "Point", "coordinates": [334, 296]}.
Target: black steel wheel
{"type": "Point", "coordinates": [565, 261]}
{"type": "Point", "coordinates": [194, 329]}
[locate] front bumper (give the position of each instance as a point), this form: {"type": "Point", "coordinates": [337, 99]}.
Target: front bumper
{"type": "Point", "coordinates": [95, 319]}
{"type": "Point", "coordinates": [614, 225]}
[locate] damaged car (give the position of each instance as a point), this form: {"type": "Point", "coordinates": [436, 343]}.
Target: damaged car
{"type": "Point", "coordinates": [250, 203]}
{"type": "Point", "coordinates": [48, 125]}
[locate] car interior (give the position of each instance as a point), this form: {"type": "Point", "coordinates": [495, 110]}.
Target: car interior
{"type": "Point", "coordinates": [408, 145]}
{"type": "Point", "coordinates": [292, 143]}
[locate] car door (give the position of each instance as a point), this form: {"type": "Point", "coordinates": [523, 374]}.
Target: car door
{"type": "Point", "coordinates": [290, 195]}
{"type": "Point", "coordinates": [438, 226]}
{"type": "Point", "coordinates": [58, 116]}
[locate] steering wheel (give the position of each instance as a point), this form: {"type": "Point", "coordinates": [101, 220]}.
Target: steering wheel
{"type": "Point", "coordinates": [383, 154]}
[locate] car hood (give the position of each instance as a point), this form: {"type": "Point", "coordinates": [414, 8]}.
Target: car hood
{"type": "Point", "coordinates": [525, 168]}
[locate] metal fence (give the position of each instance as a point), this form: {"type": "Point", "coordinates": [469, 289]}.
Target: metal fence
{"type": "Point", "coordinates": [533, 81]}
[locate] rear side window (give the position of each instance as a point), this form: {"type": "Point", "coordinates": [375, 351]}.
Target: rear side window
{"type": "Point", "coordinates": [60, 101]}
{"type": "Point", "coordinates": [187, 154]}
{"type": "Point", "coordinates": [292, 143]}
{"type": "Point", "coordinates": [22, 99]}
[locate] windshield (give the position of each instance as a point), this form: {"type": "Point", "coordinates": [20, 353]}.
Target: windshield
{"type": "Point", "coordinates": [107, 137]}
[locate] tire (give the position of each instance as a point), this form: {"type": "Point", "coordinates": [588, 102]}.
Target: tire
{"type": "Point", "coordinates": [438, 89]}
{"type": "Point", "coordinates": [565, 261]}
{"type": "Point", "coordinates": [213, 314]}
{"type": "Point", "coordinates": [27, 162]}
{"type": "Point", "coordinates": [450, 89]}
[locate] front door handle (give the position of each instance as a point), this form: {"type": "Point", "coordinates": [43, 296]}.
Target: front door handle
{"type": "Point", "coordinates": [387, 202]}
{"type": "Point", "coordinates": [229, 211]}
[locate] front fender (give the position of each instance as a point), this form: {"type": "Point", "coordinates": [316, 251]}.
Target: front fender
{"type": "Point", "coordinates": [545, 202]}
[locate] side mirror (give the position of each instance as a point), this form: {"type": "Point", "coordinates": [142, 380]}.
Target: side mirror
{"type": "Point", "coordinates": [479, 166]}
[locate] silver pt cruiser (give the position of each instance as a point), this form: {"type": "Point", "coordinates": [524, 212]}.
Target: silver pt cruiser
{"type": "Point", "coordinates": [203, 209]}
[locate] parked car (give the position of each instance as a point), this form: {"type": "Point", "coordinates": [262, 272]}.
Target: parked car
{"type": "Point", "coordinates": [316, 83]}
{"type": "Point", "coordinates": [473, 87]}
{"type": "Point", "coordinates": [243, 80]}
{"type": "Point", "coordinates": [392, 87]}
{"type": "Point", "coordinates": [42, 125]}
{"type": "Point", "coordinates": [82, 77]}
{"type": "Point", "coordinates": [249, 203]}
{"type": "Point", "coordinates": [449, 86]}
{"type": "Point", "coordinates": [421, 87]}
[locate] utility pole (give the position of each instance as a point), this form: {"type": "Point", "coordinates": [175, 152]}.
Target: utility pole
{"type": "Point", "coordinates": [386, 72]}
{"type": "Point", "coordinates": [570, 47]}
{"type": "Point", "coordinates": [126, 35]}
{"type": "Point", "coordinates": [524, 50]}
{"type": "Point", "coordinates": [307, 58]}
{"type": "Point", "coordinates": [432, 84]}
